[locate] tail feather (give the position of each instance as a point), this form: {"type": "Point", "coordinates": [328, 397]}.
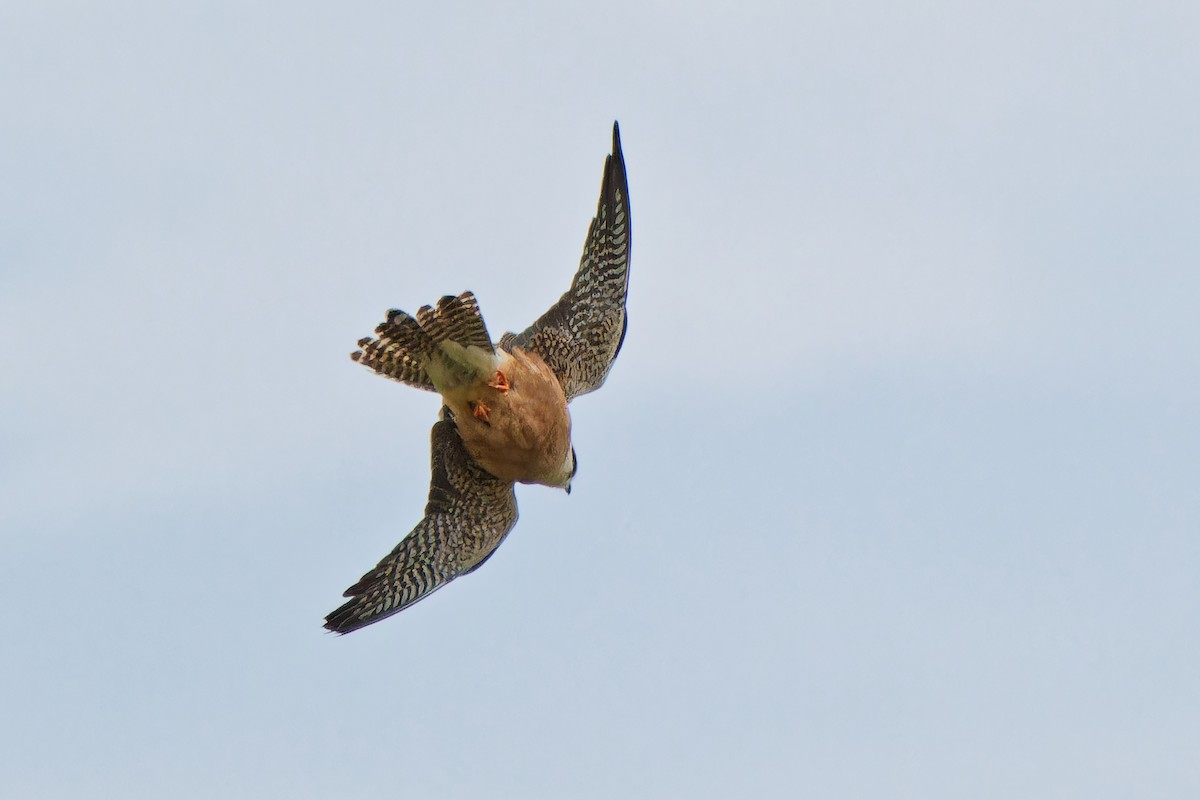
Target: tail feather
{"type": "Point", "coordinates": [456, 319]}
{"type": "Point", "coordinates": [407, 348]}
{"type": "Point", "coordinates": [401, 351]}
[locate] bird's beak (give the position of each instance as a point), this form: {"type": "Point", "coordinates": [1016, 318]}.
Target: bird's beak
{"type": "Point", "coordinates": [568, 488]}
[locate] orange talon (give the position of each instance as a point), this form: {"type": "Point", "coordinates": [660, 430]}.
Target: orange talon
{"type": "Point", "coordinates": [500, 383]}
{"type": "Point", "coordinates": [480, 411]}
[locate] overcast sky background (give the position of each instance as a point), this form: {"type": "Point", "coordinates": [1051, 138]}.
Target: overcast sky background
{"type": "Point", "coordinates": [894, 490]}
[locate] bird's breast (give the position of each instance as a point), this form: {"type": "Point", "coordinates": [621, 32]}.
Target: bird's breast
{"type": "Point", "coordinates": [516, 424]}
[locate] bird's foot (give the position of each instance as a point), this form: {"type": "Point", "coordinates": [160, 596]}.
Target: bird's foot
{"type": "Point", "coordinates": [499, 383]}
{"type": "Point", "coordinates": [481, 412]}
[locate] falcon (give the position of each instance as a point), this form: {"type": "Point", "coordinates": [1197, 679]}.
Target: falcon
{"type": "Point", "coordinates": [504, 417]}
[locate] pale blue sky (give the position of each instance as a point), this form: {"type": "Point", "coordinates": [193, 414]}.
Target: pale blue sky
{"type": "Point", "coordinates": [893, 492]}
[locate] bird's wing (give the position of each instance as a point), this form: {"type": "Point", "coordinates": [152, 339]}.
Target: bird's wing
{"type": "Point", "coordinates": [581, 334]}
{"type": "Point", "coordinates": [468, 514]}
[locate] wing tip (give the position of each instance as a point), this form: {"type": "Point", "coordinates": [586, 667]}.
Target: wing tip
{"type": "Point", "coordinates": [343, 621]}
{"type": "Point", "coordinates": [615, 182]}
{"type": "Point", "coordinates": [617, 155]}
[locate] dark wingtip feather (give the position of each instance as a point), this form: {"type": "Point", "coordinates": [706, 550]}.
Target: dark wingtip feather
{"type": "Point", "coordinates": [343, 620]}
{"type": "Point", "coordinates": [614, 180]}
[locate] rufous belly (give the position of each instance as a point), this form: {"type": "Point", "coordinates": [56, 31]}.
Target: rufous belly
{"type": "Point", "coordinates": [515, 423]}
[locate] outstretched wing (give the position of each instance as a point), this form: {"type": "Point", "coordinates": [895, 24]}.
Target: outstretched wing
{"type": "Point", "coordinates": [468, 514]}
{"type": "Point", "coordinates": [582, 333]}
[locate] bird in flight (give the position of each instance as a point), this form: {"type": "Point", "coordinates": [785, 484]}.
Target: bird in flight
{"type": "Point", "coordinates": [504, 417]}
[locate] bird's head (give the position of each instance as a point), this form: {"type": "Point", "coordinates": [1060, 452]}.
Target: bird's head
{"type": "Point", "coordinates": [574, 469]}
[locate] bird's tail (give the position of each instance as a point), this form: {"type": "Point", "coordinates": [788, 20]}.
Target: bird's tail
{"type": "Point", "coordinates": [440, 348]}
